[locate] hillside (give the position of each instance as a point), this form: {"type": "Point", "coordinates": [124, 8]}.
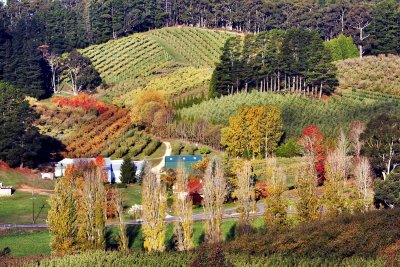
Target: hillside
{"type": "Point", "coordinates": [373, 73]}
{"type": "Point", "coordinates": [297, 111]}
{"type": "Point", "coordinates": [175, 60]}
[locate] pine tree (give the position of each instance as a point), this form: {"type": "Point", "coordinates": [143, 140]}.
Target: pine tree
{"type": "Point", "coordinates": [128, 171]}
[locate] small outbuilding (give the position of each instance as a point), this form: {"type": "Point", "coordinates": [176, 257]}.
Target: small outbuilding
{"type": "Point", "coordinates": [172, 162]}
{"type": "Point", "coordinates": [5, 190]}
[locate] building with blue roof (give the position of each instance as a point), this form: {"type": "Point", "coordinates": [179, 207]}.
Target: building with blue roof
{"type": "Point", "coordinates": [172, 162]}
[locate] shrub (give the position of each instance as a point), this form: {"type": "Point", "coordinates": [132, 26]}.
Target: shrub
{"type": "Point", "coordinates": [288, 150]}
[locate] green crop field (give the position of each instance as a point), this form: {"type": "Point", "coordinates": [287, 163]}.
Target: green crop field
{"type": "Point", "coordinates": [297, 111]}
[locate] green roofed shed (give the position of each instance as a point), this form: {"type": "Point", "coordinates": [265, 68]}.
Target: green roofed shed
{"type": "Point", "coordinates": [171, 162]}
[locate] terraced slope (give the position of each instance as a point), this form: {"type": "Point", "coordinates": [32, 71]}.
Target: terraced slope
{"type": "Point", "coordinates": [126, 58]}
{"type": "Point", "coordinates": [140, 54]}
{"type": "Point", "coordinates": [197, 47]}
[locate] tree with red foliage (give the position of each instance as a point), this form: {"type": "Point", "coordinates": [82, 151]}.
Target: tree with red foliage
{"type": "Point", "coordinates": [194, 187]}
{"type": "Point", "coordinates": [312, 143]}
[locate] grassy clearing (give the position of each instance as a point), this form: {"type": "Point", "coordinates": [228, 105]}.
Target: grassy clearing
{"type": "Point", "coordinates": [26, 242]}
{"type": "Point", "coordinates": [16, 179]}
{"type": "Point", "coordinates": [37, 242]}
{"type": "Point", "coordinates": [17, 209]}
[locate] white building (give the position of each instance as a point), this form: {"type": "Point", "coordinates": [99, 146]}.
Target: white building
{"type": "Point", "coordinates": [113, 167]}
{"type": "Point", "coordinates": [5, 190]}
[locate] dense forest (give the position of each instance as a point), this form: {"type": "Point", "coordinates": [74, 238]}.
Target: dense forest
{"type": "Point", "coordinates": [67, 24]}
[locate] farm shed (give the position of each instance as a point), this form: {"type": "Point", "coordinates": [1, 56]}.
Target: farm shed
{"type": "Point", "coordinates": [171, 162]}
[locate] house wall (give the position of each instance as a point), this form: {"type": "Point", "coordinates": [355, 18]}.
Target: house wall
{"type": "Point", "coordinates": [5, 192]}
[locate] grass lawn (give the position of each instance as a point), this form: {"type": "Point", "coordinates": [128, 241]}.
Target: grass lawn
{"type": "Point", "coordinates": [15, 179]}
{"type": "Point", "coordinates": [26, 242]}
{"type": "Point", "coordinates": [132, 195]}
{"type": "Point", "coordinates": [18, 208]}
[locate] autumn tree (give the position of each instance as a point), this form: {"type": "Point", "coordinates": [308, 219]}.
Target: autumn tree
{"type": "Point", "coordinates": [382, 144]}
{"type": "Point", "coordinates": [62, 215]}
{"type": "Point", "coordinates": [245, 194]}
{"type": "Point", "coordinates": [154, 201]}
{"type": "Point", "coordinates": [123, 238]}
{"type": "Point", "coordinates": [253, 132]}
{"type": "Point", "coordinates": [91, 206]}
{"type": "Point", "coordinates": [276, 205]}
{"type": "Point", "coordinates": [214, 193]}
{"type": "Point", "coordinates": [152, 110]}
{"type": "Point", "coordinates": [182, 207]}
{"type": "Point", "coordinates": [308, 204]}
{"type": "Point", "coordinates": [312, 143]}
{"type": "Point", "coordinates": [336, 172]}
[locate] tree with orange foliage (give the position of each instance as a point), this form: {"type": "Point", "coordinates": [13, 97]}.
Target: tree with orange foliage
{"type": "Point", "coordinates": [312, 142]}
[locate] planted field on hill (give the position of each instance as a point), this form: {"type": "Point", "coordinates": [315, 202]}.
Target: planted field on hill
{"type": "Point", "coordinates": [197, 47]}
{"type": "Point", "coordinates": [126, 58]}
{"type": "Point", "coordinates": [187, 81]}
{"type": "Point", "coordinates": [373, 73]}
{"type": "Point", "coordinates": [331, 115]}
{"type": "Point", "coordinates": [140, 54]}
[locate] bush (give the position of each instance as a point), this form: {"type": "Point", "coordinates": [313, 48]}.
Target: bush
{"type": "Point", "coordinates": [204, 150]}
{"type": "Point", "coordinates": [288, 150]}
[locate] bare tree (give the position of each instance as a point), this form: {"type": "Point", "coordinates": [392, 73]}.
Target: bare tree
{"type": "Point", "coordinates": [360, 17]}
{"type": "Point", "coordinates": [54, 62]}
{"type": "Point", "coordinates": [154, 203]}
{"type": "Point", "coordinates": [245, 194]}
{"type": "Point", "coordinates": [214, 191]}
{"type": "Point", "coordinates": [363, 174]}
{"type": "Point", "coordinates": [336, 173]}
{"type": "Point", "coordinates": [183, 210]}
{"type": "Point", "coordinates": [357, 128]}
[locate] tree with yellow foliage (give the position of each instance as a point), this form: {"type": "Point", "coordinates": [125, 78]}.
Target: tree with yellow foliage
{"type": "Point", "coordinates": [154, 201]}
{"type": "Point", "coordinates": [214, 193]}
{"type": "Point", "coordinates": [253, 132]}
{"type": "Point", "coordinates": [276, 203]}
{"type": "Point", "coordinates": [182, 206]}
{"type": "Point", "coordinates": [152, 110]}
{"type": "Point", "coordinates": [62, 216]}
{"type": "Point", "coordinates": [245, 194]}
{"type": "Point", "coordinates": [308, 204]}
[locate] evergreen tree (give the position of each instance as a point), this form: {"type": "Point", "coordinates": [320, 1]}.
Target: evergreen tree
{"type": "Point", "coordinates": [128, 171]}
{"type": "Point", "coordinates": [20, 141]}
{"type": "Point", "coordinates": [385, 30]}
